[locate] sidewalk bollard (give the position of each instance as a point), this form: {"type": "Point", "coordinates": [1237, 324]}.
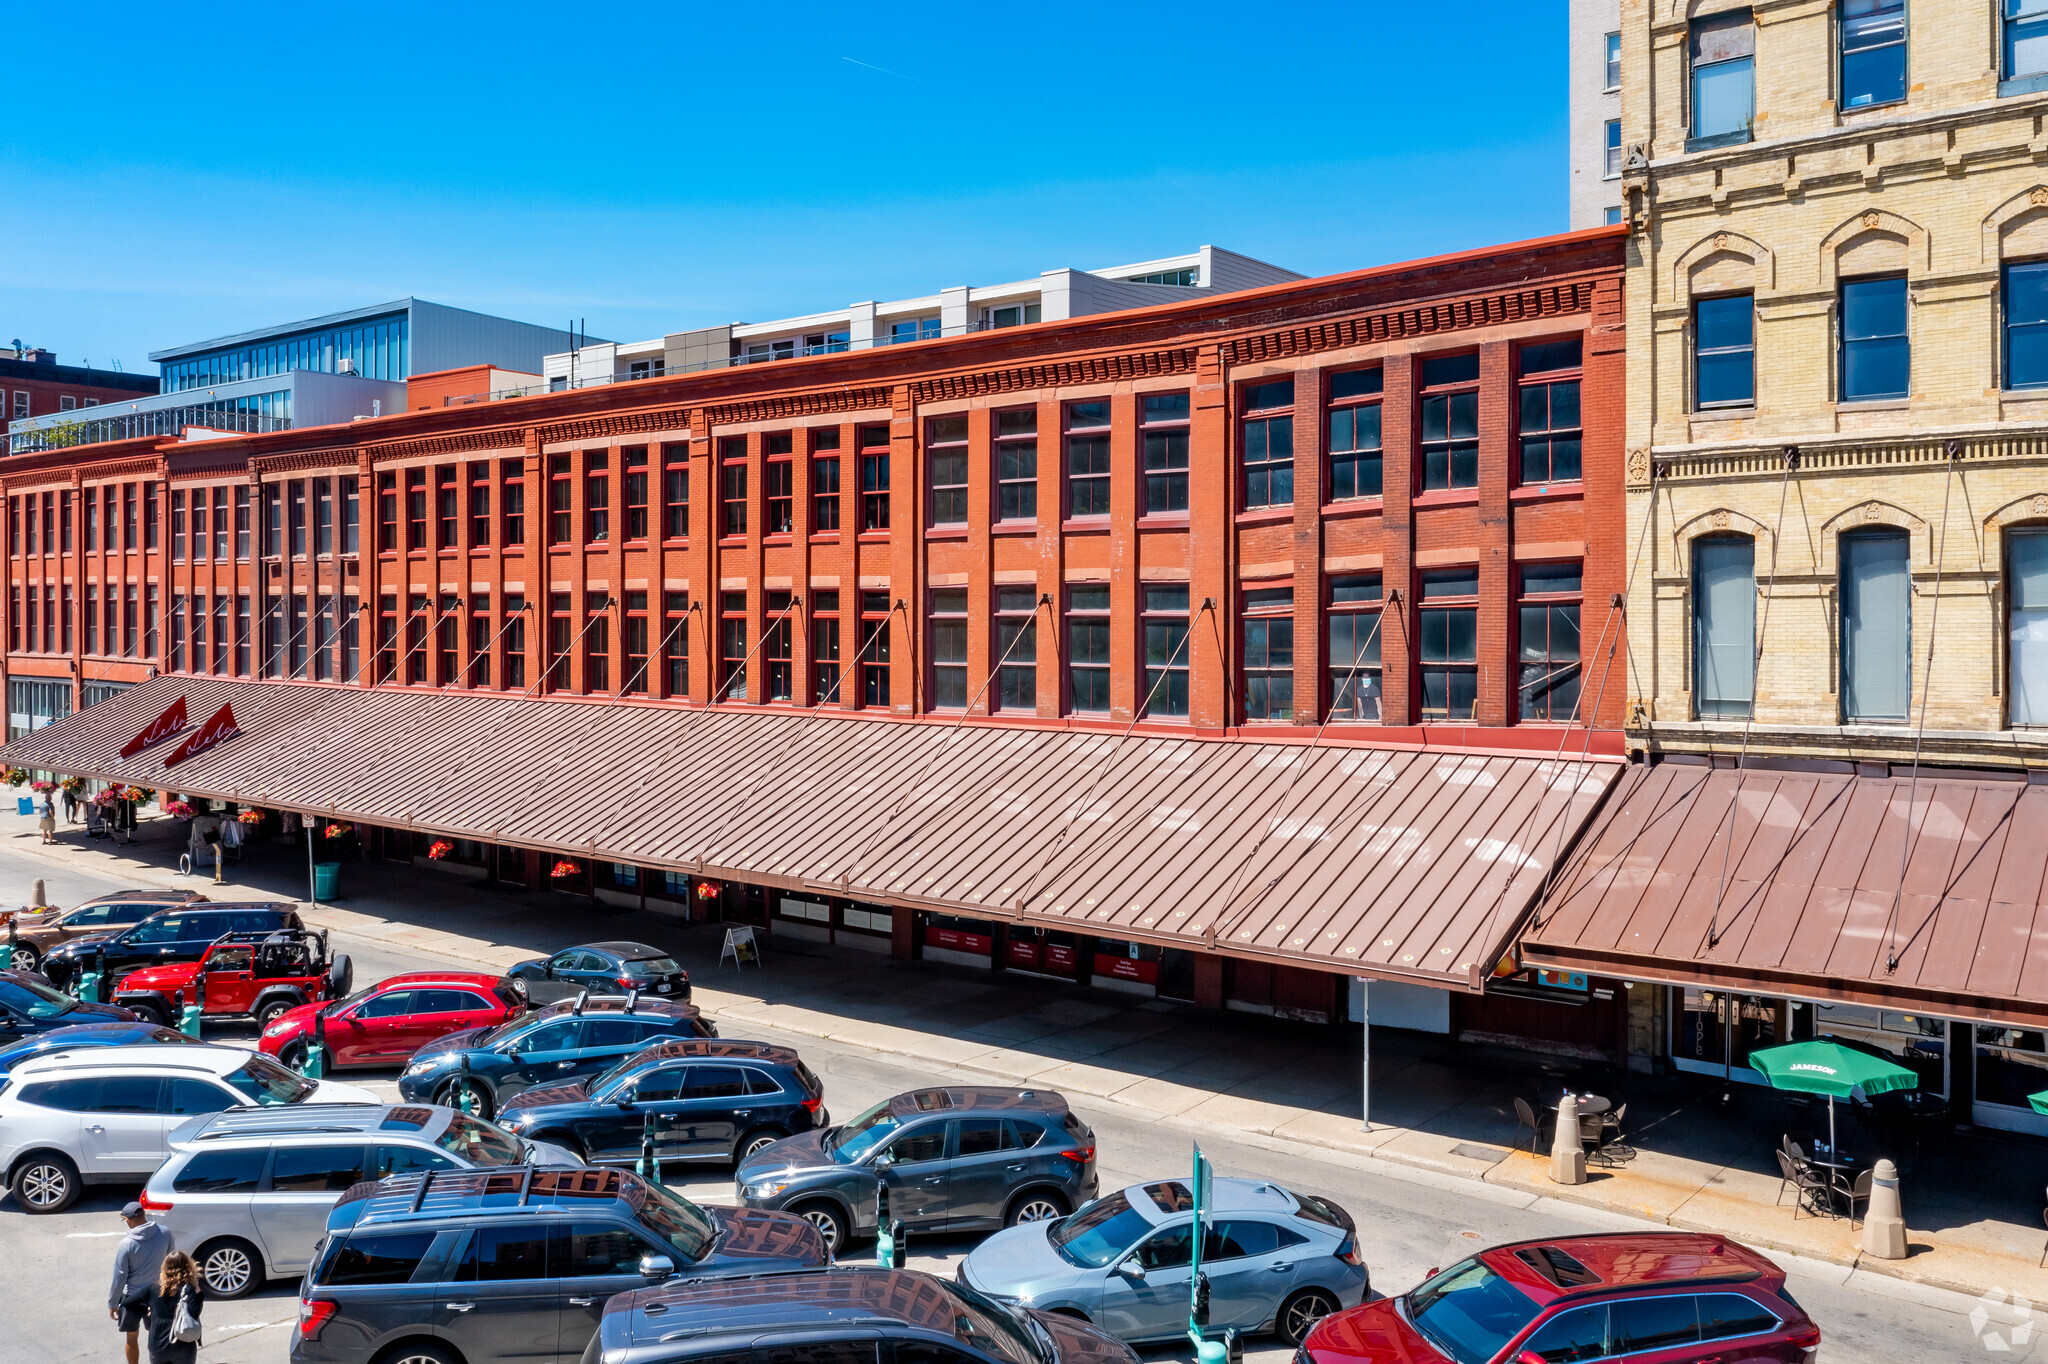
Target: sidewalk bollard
{"type": "Point", "coordinates": [315, 1064]}
{"type": "Point", "coordinates": [7, 948]}
{"type": "Point", "coordinates": [1884, 1221]}
{"type": "Point", "coordinates": [648, 1167]}
{"type": "Point", "coordinates": [42, 897]}
{"type": "Point", "coordinates": [1567, 1152]}
{"type": "Point", "coordinates": [190, 1014]}
{"type": "Point", "coordinates": [463, 1100]}
{"type": "Point", "coordinates": [888, 1234]}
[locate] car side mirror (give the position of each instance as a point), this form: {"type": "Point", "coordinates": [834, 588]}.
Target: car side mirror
{"type": "Point", "coordinates": [624, 1101]}
{"type": "Point", "coordinates": [1132, 1268]}
{"type": "Point", "coordinates": [655, 1268]}
{"type": "Point", "coordinates": [884, 1161]}
{"type": "Point", "coordinates": [1530, 1357]}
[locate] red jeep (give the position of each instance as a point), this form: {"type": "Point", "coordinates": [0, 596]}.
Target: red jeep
{"type": "Point", "coordinates": [246, 975]}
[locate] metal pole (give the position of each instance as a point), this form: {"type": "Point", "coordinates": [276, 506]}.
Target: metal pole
{"type": "Point", "coordinates": [312, 878]}
{"type": "Point", "coordinates": [1365, 1053]}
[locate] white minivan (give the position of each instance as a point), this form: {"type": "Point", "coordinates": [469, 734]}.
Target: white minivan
{"type": "Point", "coordinates": [105, 1116]}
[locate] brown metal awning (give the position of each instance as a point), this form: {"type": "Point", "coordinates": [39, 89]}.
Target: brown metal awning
{"type": "Point", "coordinates": [1399, 863]}
{"type": "Point", "coordinates": [1808, 906]}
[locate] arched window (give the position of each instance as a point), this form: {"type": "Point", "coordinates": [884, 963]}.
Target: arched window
{"type": "Point", "coordinates": [1877, 626]}
{"type": "Point", "coordinates": [2026, 569]}
{"type": "Point", "coordinates": [1724, 626]}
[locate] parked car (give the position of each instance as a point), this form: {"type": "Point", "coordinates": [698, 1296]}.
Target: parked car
{"type": "Point", "coordinates": [1276, 1261]}
{"type": "Point", "coordinates": [175, 934]}
{"type": "Point", "coordinates": [105, 1116]}
{"type": "Point", "coordinates": [954, 1159]}
{"type": "Point", "coordinates": [833, 1316]}
{"type": "Point", "coordinates": [386, 1023]}
{"type": "Point", "coordinates": [1647, 1295]}
{"type": "Point", "coordinates": [38, 933]}
{"type": "Point", "coordinates": [708, 1099]}
{"type": "Point", "coordinates": [603, 968]}
{"type": "Point", "coordinates": [29, 1005]}
{"type": "Point", "coordinates": [514, 1264]}
{"type": "Point", "coordinates": [80, 1036]}
{"type": "Point", "coordinates": [560, 1042]}
{"type": "Point", "coordinates": [247, 1191]}
{"type": "Point", "coordinates": [247, 975]}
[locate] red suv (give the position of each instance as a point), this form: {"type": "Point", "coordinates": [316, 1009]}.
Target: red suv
{"type": "Point", "coordinates": [1646, 1297]}
{"type": "Point", "coordinates": [387, 1023]}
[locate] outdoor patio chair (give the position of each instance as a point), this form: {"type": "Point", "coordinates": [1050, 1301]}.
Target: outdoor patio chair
{"type": "Point", "coordinates": [1525, 1116]}
{"type": "Point", "coordinates": [1610, 1135]}
{"type": "Point", "coordinates": [1788, 1180]}
{"type": "Point", "coordinates": [1814, 1192]}
{"type": "Point", "coordinates": [1859, 1192]}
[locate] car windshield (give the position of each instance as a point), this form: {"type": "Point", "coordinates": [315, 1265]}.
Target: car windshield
{"type": "Point", "coordinates": [354, 999]}
{"type": "Point", "coordinates": [34, 999]}
{"type": "Point", "coordinates": [480, 1143]}
{"type": "Point", "coordinates": [1469, 1312]}
{"type": "Point", "coordinates": [652, 966]}
{"type": "Point", "coordinates": [992, 1327]}
{"type": "Point", "coordinates": [266, 1082]}
{"type": "Point", "coordinates": [600, 1086]}
{"type": "Point", "coordinates": [1100, 1232]}
{"type": "Point", "coordinates": [674, 1219]}
{"type": "Point", "coordinates": [864, 1134]}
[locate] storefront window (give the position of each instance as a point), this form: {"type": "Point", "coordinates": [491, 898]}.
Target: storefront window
{"type": "Point", "coordinates": [1703, 1042]}
{"type": "Point", "coordinates": [1915, 1041]}
{"type": "Point", "coordinates": [2011, 1064]}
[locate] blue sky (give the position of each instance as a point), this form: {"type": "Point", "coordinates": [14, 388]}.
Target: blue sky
{"type": "Point", "coordinates": [175, 173]}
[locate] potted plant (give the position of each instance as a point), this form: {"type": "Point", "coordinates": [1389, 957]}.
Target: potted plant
{"type": "Point", "coordinates": [565, 867]}
{"type": "Point", "coordinates": [439, 849]}
{"type": "Point", "coordinates": [179, 809]}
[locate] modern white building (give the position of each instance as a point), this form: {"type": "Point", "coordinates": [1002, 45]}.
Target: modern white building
{"type": "Point", "coordinates": [1051, 296]}
{"type": "Point", "coordinates": [1595, 118]}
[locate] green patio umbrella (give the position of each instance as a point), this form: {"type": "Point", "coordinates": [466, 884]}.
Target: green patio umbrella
{"type": "Point", "coordinates": [2039, 1101]}
{"type": "Point", "coordinates": [1827, 1067]}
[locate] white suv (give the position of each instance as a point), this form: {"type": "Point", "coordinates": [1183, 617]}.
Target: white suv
{"type": "Point", "coordinates": [105, 1116]}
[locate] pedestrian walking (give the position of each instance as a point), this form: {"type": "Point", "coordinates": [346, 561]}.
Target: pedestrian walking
{"type": "Point", "coordinates": [46, 811]}
{"type": "Point", "coordinates": [70, 806]}
{"type": "Point", "coordinates": [136, 1266]}
{"type": "Point", "coordinates": [175, 1301]}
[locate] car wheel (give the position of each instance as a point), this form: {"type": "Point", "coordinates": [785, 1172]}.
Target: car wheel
{"type": "Point", "coordinates": [1300, 1313]}
{"type": "Point", "coordinates": [271, 1012]}
{"type": "Point", "coordinates": [148, 1013]}
{"type": "Point", "coordinates": [480, 1105]}
{"type": "Point", "coordinates": [829, 1221]}
{"type": "Point", "coordinates": [754, 1141]}
{"type": "Point", "coordinates": [1036, 1206]}
{"type": "Point", "coordinates": [25, 958]}
{"type": "Point", "coordinates": [231, 1268]}
{"type": "Point", "coordinates": [46, 1182]}
{"type": "Point", "coordinates": [418, 1352]}
{"type": "Point", "coordinates": [292, 1055]}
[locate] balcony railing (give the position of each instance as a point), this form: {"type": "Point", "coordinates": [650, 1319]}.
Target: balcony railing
{"type": "Point", "coordinates": [162, 421]}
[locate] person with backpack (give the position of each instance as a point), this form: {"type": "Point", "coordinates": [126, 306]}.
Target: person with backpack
{"type": "Point", "coordinates": [174, 1305]}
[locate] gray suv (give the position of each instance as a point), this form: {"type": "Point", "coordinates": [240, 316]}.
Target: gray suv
{"type": "Point", "coordinates": [514, 1264]}
{"type": "Point", "coordinates": [953, 1159]}
{"type": "Point", "coordinates": [248, 1191]}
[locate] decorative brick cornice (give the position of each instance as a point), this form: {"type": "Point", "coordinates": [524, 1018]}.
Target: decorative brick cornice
{"type": "Point", "coordinates": [145, 466]}
{"type": "Point", "coordinates": [816, 404]}
{"type": "Point", "coordinates": [508, 438]}
{"type": "Point", "coordinates": [341, 459]}
{"type": "Point", "coordinates": [624, 424]}
{"type": "Point", "coordinates": [1833, 452]}
{"type": "Point", "coordinates": [1396, 323]}
{"type": "Point", "coordinates": [1064, 374]}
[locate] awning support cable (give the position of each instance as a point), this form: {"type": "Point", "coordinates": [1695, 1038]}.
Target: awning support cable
{"type": "Point", "coordinates": [1891, 920]}
{"type": "Point", "coordinates": [1756, 659]}
{"type": "Point", "coordinates": [1088, 797]}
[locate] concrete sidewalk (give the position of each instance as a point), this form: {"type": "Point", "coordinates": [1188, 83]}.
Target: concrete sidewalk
{"type": "Point", "coordinates": [1438, 1106]}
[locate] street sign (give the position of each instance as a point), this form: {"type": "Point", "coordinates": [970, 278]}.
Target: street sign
{"type": "Point", "coordinates": [1206, 1351]}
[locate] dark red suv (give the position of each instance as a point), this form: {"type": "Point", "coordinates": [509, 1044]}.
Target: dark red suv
{"type": "Point", "coordinates": [1641, 1297]}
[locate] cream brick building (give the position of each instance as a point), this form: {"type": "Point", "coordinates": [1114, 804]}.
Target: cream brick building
{"type": "Point", "coordinates": [1866, 183]}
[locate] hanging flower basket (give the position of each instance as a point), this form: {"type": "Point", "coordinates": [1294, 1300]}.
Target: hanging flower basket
{"type": "Point", "coordinates": [108, 798]}
{"type": "Point", "coordinates": [337, 830]}
{"type": "Point", "coordinates": [249, 817]}
{"type": "Point", "coordinates": [16, 775]}
{"type": "Point", "coordinates": [75, 785]}
{"type": "Point", "coordinates": [41, 787]}
{"type": "Point", "coordinates": [439, 849]}
{"type": "Point", "coordinates": [179, 809]}
{"type": "Point", "coordinates": [566, 868]}
{"type": "Point", "coordinates": [708, 890]}
{"type": "Point", "coordinates": [138, 794]}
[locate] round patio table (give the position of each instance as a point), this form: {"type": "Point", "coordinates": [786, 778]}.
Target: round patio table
{"type": "Point", "coordinates": [1590, 1106]}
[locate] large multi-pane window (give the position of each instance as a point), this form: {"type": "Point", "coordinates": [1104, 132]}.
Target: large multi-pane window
{"type": "Point", "coordinates": [2026, 570]}
{"type": "Point", "coordinates": [778, 482]}
{"type": "Point", "coordinates": [1269, 653]}
{"type": "Point", "coordinates": [825, 660]}
{"type": "Point", "coordinates": [1017, 465]}
{"type": "Point", "coordinates": [1724, 351]}
{"type": "Point", "coordinates": [561, 501]}
{"type": "Point", "coordinates": [874, 478]}
{"type": "Point", "coordinates": [675, 491]}
{"type": "Point", "coordinates": [825, 479]}
{"type": "Point", "coordinates": [416, 509]}
{"type": "Point", "coordinates": [1611, 149]}
{"type": "Point", "coordinates": [633, 487]}
{"type": "Point", "coordinates": [1088, 647]}
{"type": "Point", "coordinates": [351, 516]}
{"type": "Point", "coordinates": [1088, 459]}
{"type": "Point", "coordinates": [512, 640]}
{"type": "Point", "coordinates": [778, 668]}
{"type": "Point", "coordinates": [221, 635]}
{"type": "Point", "coordinates": [273, 520]}
{"type": "Point", "coordinates": [948, 634]}
{"type": "Point", "coordinates": [1723, 626]}
{"type": "Point", "coordinates": [1165, 443]}
{"type": "Point", "coordinates": [1723, 60]}
{"type": "Point", "coordinates": [597, 497]}
{"type": "Point", "coordinates": [1354, 629]}
{"type": "Point", "coordinates": [1447, 640]}
{"type": "Point", "coordinates": [373, 350]}
{"type": "Point", "coordinates": [448, 641]}
{"type": "Point", "coordinates": [597, 641]}
{"type": "Point", "coordinates": [1355, 456]}
{"type": "Point", "coordinates": [1877, 625]}
{"type": "Point", "coordinates": [177, 526]}
{"type": "Point", "coordinates": [1166, 648]}
{"type": "Point", "coordinates": [514, 503]}
{"type": "Point", "coordinates": [1450, 422]}
{"type": "Point", "coordinates": [2025, 42]}
{"type": "Point", "coordinates": [1873, 37]}
{"type": "Point", "coordinates": [732, 646]}
{"type": "Point", "coordinates": [1611, 61]}
{"type": "Point", "coordinates": [1267, 444]}
{"type": "Point", "coordinates": [675, 642]}
{"type": "Point", "coordinates": [479, 506]}
{"type": "Point", "coordinates": [2026, 325]}
{"type": "Point", "coordinates": [1547, 626]}
{"type": "Point", "coordinates": [1550, 413]}
{"type": "Point", "coordinates": [447, 510]}
{"type": "Point", "coordinates": [483, 629]}
{"type": "Point", "coordinates": [946, 448]}
{"type": "Point", "coordinates": [1017, 649]}
{"type": "Point", "coordinates": [241, 523]}
{"type": "Point", "coordinates": [387, 513]}
{"type": "Point", "coordinates": [561, 635]}
{"type": "Point", "coordinates": [416, 617]}
{"type": "Point", "coordinates": [874, 654]}
{"type": "Point", "coordinates": [1876, 358]}
{"type": "Point", "coordinates": [732, 485]}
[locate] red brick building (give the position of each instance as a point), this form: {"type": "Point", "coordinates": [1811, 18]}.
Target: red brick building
{"type": "Point", "coordinates": [35, 385]}
{"type": "Point", "coordinates": [1390, 500]}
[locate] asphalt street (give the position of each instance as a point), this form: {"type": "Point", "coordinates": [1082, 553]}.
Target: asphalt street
{"type": "Point", "coordinates": [56, 1268]}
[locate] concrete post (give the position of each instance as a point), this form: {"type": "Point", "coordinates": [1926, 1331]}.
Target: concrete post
{"type": "Point", "coordinates": [42, 896]}
{"type": "Point", "coordinates": [1884, 1221]}
{"type": "Point", "coordinates": [1567, 1153]}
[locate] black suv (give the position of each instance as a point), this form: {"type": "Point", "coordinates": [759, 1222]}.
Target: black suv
{"type": "Point", "coordinates": [603, 968]}
{"type": "Point", "coordinates": [707, 1099]}
{"type": "Point", "coordinates": [954, 1159]}
{"type": "Point", "coordinates": [513, 1263]}
{"type": "Point", "coordinates": [840, 1316]}
{"type": "Point", "coordinates": [180, 934]}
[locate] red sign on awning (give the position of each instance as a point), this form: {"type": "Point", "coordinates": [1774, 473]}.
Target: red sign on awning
{"type": "Point", "coordinates": [218, 729]}
{"type": "Point", "coordinates": [160, 729]}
